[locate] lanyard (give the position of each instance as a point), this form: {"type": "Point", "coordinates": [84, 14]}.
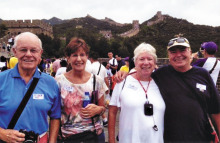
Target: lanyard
{"type": "Point", "coordinates": [143, 86]}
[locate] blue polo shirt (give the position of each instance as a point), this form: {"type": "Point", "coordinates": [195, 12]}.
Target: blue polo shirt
{"type": "Point", "coordinates": [45, 101]}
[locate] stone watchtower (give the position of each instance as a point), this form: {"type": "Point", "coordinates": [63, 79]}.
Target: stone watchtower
{"type": "Point", "coordinates": [135, 24]}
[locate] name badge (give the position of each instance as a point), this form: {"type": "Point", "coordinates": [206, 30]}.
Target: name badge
{"type": "Point", "coordinates": [132, 87]}
{"type": "Point", "coordinates": [201, 87]}
{"type": "Point", "coordinates": [68, 88]}
{"type": "Point", "coordinates": [38, 96]}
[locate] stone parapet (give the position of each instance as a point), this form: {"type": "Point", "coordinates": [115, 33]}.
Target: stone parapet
{"type": "Point", "coordinates": [34, 26]}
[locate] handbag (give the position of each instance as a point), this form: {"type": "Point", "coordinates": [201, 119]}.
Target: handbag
{"type": "Point", "coordinates": [209, 126]}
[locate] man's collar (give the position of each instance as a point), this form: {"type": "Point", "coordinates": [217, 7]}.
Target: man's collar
{"type": "Point", "coordinates": [15, 72]}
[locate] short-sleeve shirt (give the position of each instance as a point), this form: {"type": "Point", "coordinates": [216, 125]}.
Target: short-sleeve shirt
{"type": "Point", "coordinates": [72, 96]}
{"type": "Point", "coordinates": [184, 119]}
{"type": "Point", "coordinates": [134, 125]}
{"type": "Point", "coordinates": [95, 70]}
{"type": "Point", "coordinates": [44, 101]}
{"type": "Point", "coordinates": [208, 64]}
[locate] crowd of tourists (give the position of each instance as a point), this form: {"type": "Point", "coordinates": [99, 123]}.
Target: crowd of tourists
{"type": "Point", "coordinates": [178, 102]}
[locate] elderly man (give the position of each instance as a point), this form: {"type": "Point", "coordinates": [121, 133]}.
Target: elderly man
{"type": "Point", "coordinates": [44, 101]}
{"type": "Point", "coordinates": [189, 93]}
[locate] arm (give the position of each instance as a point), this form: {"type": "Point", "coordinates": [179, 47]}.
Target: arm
{"type": "Point", "coordinates": [54, 129]}
{"type": "Point", "coordinates": [119, 76]}
{"type": "Point", "coordinates": [111, 123]}
{"type": "Point", "coordinates": [216, 122]}
{"type": "Point", "coordinates": [114, 67]}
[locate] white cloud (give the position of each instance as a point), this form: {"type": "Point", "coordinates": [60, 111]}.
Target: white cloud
{"type": "Point", "coordinates": [123, 11]}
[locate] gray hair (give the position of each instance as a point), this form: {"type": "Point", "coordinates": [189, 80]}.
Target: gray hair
{"type": "Point", "coordinates": [144, 47]}
{"type": "Point", "coordinates": [25, 34]}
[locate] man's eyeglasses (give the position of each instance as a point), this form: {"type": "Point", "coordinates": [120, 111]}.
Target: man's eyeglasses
{"type": "Point", "coordinates": [32, 51]}
{"type": "Point", "coordinates": [178, 40]}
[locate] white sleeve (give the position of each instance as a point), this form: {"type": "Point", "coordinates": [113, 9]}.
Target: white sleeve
{"type": "Point", "coordinates": [115, 99]}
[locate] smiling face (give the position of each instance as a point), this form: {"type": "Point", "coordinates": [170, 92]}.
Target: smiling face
{"type": "Point", "coordinates": [28, 51]}
{"type": "Point", "coordinates": [180, 58]}
{"type": "Point", "coordinates": [78, 60]}
{"type": "Point", "coordinates": [144, 65]}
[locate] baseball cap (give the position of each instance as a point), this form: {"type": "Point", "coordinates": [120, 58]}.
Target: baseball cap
{"type": "Point", "coordinates": [180, 41]}
{"type": "Point", "coordinates": [126, 59]}
{"type": "Point", "coordinates": [210, 47]}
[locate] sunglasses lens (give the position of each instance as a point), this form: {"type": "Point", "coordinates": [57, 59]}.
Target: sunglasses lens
{"type": "Point", "coordinates": [170, 43]}
{"type": "Point", "coordinates": [180, 40]}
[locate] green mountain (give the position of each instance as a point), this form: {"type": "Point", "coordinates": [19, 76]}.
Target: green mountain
{"type": "Point", "coordinates": [156, 31]}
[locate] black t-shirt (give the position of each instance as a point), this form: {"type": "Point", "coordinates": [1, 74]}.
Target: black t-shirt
{"type": "Point", "coordinates": [184, 119]}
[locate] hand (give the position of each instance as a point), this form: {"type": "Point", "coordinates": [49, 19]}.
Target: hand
{"type": "Point", "coordinates": [90, 110]}
{"type": "Point", "coordinates": [12, 136]}
{"type": "Point", "coordinates": [119, 76]}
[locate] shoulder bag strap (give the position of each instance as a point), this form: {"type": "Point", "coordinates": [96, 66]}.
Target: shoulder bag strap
{"type": "Point", "coordinates": [99, 69]}
{"type": "Point", "coordinates": [23, 104]}
{"type": "Point", "coordinates": [213, 67]}
{"type": "Point", "coordinates": [94, 82]}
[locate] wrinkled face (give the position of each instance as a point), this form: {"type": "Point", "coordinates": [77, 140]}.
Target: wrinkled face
{"type": "Point", "coordinates": [78, 60]}
{"type": "Point", "coordinates": [180, 58]}
{"type": "Point", "coordinates": [145, 64]}
{"type": "Point", "coordinates": [28, 52]}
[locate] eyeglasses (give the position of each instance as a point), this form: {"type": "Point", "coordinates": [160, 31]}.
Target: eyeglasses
{"type": "Point", "coordinates": [178, 40]}
{"type": "Point", "coordinates": [32, 51]}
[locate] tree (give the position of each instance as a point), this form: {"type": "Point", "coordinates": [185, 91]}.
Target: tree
{"type": "Point", "coordinates": [3, 30]}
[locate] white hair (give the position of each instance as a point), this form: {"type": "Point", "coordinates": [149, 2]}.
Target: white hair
{"type": "Point", "coordinates": [25, 34]}
{"type": "Point", "coordinates": [144, 47]}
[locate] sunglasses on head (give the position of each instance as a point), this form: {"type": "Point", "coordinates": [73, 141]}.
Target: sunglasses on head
{"type": "Point", "coordinates": [178, 40]}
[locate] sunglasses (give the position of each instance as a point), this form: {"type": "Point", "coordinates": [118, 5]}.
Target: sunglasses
{"type": "Point", "coordinates": [178, 40]}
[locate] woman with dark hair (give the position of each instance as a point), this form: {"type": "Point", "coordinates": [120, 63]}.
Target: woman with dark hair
{"type": "Point", "coordinates": [80, 122]}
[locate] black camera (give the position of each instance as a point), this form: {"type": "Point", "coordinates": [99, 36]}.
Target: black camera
{"type": "Point", "coordinates": [30, 136]}
{"type": "Point", "coordinates": [148, 109]}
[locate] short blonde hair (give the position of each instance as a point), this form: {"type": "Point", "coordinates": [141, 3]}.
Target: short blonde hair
{"type": "Point", "coordinates": [144, 47]}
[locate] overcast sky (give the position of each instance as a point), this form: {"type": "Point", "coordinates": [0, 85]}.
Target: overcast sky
{"type": "Point", "coordinates": [203, 12]}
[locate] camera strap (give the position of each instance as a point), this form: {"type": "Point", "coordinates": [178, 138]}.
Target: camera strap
{"type": "Point", "coordinates": [23, 103]}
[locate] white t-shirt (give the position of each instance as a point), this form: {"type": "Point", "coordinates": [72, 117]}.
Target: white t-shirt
{"type": "Point", "coordinates": [113, 60]}
{"type": "Point", "coordinates": [134, 125]}
{"type": "Point", "coordinates": [95, 69]}
{"type": "Point", "coordinates": [88, 67]}
{"type": "Point", "coordinates": [60, 71]}
{"type": "Point", "coordinates": [209, 65]}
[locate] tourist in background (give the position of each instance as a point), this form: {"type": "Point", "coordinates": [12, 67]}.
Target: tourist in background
{"type": "Point", "coordinates": [142, 107]}
{"type": "Point", "coordinates": [12, 62]}
{"type": "Point", "coordinates": [62, 69]}
{"type": "Point", "coordinates": [120, 61]}
{"type": "Point", "coordinates": [113, 63]}
{"type": "Point", "coordinates": [125, 68]}
{"type": "Point", "coordinates": [209, 62]}
{"type": "Point", "coordinates": [80, 122]}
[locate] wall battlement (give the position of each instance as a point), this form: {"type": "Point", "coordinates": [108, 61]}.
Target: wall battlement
{"type": "Point", "coordinates": [34, 26]}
